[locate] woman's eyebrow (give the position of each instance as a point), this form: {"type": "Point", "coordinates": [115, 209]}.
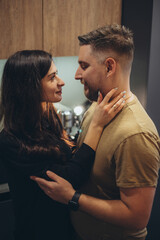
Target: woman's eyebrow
{"type": "Point", "coordinates": [53, 73]}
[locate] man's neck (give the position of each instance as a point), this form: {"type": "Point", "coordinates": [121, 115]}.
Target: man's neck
{"type": "Point", "coordinates": [129, 97]}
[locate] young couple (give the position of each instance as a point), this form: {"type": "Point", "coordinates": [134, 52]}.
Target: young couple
{"type": "Point", "coordinates": [116, 165]}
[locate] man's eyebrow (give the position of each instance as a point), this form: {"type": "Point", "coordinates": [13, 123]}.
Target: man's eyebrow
{"type": "Point", "coordinates": [82, 62]}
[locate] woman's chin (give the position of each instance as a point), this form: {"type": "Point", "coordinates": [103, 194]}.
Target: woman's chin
{"type": "Point", "coordinates": [59, 99]}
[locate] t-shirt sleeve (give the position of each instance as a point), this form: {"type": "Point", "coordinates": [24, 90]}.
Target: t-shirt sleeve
{"type": "Point", "coordinates": [137, 161]}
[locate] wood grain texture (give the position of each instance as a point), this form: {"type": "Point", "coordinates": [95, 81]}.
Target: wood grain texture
{"type": "Point", "coordinates": [64, 20]}
{"type": "Point", "coordinates": [20, 26]}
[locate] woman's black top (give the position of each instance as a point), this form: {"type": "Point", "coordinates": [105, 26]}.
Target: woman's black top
{"type": "Point", "coordinates": [37, 216]}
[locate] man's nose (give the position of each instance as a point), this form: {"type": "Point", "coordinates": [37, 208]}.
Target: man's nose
{"type": "Point", "coordinates": [78, 74]}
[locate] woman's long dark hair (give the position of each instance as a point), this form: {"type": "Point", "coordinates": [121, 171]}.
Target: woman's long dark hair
{"type": "Point", "coordinates": [21, 96]}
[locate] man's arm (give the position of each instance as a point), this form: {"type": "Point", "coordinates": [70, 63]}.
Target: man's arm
{"type": "Point", "coordinates": [131, 211]}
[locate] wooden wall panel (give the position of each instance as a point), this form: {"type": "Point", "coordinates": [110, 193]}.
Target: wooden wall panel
{"type": "Point", "coordinates": [20, 26]}
{"type": "Point", "coordinates": [64, 20]}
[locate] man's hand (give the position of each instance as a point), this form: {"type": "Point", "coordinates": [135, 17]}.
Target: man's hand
{"type": "Point", "coordinates": [58, 189]}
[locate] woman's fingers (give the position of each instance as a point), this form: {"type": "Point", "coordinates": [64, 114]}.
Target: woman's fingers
{"type": "Point", "coordinates": [106, 109]}
{"type": "Point", "coordinates": [53, 176]}
{"type": "Point", "coordinates": [41, 181]}
{"type": "Point", "coordinates": [100, 97]}
{"type": "Point", "coordinates": [107, 99]}
{"type": "Point", "coordinates": [109, 95]}
{"type": "Point", "coordinates": [117, 98]}
{"type": "Point", "coordinates": [117, 107]}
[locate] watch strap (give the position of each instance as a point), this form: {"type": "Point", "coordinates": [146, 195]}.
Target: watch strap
{"type": "Point", "coordinates": [76, 196]}
{"type": "Point", "coordinates": [73, 203]}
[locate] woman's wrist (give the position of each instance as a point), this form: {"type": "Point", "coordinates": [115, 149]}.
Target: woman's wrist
{"type": "Point", "coordinates": [93, 135]}
{"type": "Point", "coordinates": [96, 127]}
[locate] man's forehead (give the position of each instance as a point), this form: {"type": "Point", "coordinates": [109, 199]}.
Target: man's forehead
{"type": "Point", "coordinates": [85, 47]}
{"type": "Point", "coordinates": [85, 54]}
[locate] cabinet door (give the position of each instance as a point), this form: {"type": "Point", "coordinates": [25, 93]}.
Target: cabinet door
{"type": "Point", "coordinates": [20, 26]}
{"type": "Point", "coordinates": [64, 20]}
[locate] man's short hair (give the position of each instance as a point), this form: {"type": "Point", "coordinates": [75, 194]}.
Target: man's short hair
{"type": "Point", "coordinates": [114, 37]}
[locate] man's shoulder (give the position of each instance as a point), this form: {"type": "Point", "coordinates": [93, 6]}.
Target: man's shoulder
{"type": "Point", "coordinates": [138, 120]}
{"type": "Point", "coordinates": [132, 120]}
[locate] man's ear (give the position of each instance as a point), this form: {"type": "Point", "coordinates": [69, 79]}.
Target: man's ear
{"type": "Point", "coordinates": [110, 66]}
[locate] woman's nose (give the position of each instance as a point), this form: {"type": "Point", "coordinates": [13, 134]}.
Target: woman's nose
{"type": "Point", "coordinates": [60, 82]}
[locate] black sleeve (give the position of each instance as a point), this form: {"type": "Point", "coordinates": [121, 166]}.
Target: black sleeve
{"type": "Point", "coordinates": [76, 170]}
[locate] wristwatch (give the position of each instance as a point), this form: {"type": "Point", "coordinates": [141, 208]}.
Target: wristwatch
{"type": "Point", "coordinates": [73, 203]}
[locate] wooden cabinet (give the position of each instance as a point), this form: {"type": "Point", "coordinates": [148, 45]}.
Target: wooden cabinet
{"type": "Point", "coordinates": [20, 26]}
{"type": "Point", "coordinates": [52, 25]}
{"type": "Point", "coordinates": [64, 20]}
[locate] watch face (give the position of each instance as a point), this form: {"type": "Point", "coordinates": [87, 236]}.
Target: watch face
{"type": "Point", "coordinates": [73, 205]}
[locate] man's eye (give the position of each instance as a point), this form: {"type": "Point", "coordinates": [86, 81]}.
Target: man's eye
{"type": "Point", "coordinates": [84, 67]}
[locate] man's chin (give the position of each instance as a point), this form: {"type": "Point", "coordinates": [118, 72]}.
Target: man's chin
{"type": "Point", "coordinates": [92, 96]}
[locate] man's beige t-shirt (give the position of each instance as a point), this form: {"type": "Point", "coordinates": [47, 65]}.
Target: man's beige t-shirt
{"type": "Point", "coordinates": [127, 156]}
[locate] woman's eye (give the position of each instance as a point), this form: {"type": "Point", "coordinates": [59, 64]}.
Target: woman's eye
{"type": "Point", "coordinates": [53, 76]}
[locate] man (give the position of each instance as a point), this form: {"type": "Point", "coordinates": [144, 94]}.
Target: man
{"type": "Point", "coordinates": [116, 202]}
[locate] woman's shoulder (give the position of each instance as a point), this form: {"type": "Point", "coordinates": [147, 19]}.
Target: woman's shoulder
{"type": "Point", "coordinates": [3, 136]}
{"type": "Point", "coordinates": [7, 139]}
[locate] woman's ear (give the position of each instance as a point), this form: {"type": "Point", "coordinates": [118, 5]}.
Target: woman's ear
{"type": "Point", "coordinates": [110, 66]}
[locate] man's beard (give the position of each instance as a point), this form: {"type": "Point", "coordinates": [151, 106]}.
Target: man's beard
{"type": "Point", "coordinates": [91, 94]}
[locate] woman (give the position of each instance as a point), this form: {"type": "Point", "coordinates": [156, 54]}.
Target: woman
{"type": "Point", "coordinates": [33, 141]}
